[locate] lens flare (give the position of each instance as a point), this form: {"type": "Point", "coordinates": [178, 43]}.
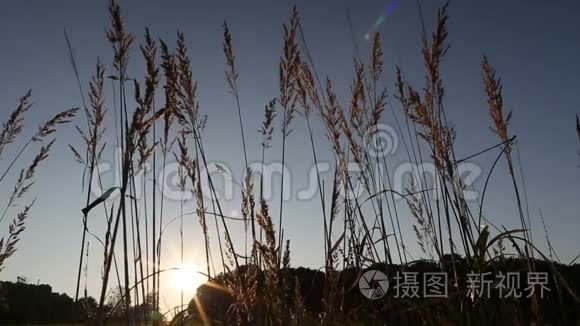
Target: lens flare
{"type": "Point", "coordinates": [386, 13]}
{"type": "Point", "coordinates": [187, 277]}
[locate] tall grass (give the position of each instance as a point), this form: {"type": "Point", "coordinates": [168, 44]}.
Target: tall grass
{"type": "Point", "coordinates": [10, 134]}
{"type": "Point", "coordinates": [358, 232]}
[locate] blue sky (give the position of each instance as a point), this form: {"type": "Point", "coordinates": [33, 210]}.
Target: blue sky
{"type": "Point", "coordinates": [534, 45]}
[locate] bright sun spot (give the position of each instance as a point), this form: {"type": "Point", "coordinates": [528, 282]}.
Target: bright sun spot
{"type": "Point", "coordinates": [187, 277]}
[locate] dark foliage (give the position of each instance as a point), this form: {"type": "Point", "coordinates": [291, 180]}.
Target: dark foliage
{"type": "Point", "coordinates": [30, 303]}
{"type": "Point", "coordinates": [557, 306]}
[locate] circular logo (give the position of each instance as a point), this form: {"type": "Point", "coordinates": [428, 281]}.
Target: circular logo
{"type": "Point", "coordinates": [373, 284]}
{"type": "Point", "coordinates": [381, 140]}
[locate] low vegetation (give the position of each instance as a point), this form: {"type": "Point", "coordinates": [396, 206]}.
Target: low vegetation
{"type": "Point", "coordinates": [158, 118]}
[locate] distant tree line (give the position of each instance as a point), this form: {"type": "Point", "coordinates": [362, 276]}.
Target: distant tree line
{"type": "Point", "coordinates": [30, 303]}
{"type": "Point", "coordinates": [558, 306]}
{"type": "Point", "coordinates": [24, 303]}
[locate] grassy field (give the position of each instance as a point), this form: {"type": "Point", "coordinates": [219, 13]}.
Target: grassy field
{"type": "Point", "coordinates": [159, 119]}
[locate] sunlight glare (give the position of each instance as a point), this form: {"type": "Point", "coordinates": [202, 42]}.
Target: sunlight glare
{"type": "Point", "coordinates": [187, 278]}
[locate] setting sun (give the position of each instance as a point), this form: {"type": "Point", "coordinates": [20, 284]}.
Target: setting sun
{"type": "Point", "coordinates": [290, 162]}
{"type": "Point", "coordinates": [187, 277]}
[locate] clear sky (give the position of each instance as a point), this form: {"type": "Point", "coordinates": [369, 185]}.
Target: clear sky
{"type": "Point", "coordinates": [534, 45]}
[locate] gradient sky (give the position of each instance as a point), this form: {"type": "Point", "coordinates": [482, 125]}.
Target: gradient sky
{"type": "Point", "coordinates": [534, 45]}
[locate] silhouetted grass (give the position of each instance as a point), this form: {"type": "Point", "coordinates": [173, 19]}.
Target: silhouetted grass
{"type": "Point", "coordinates": [257, 285]}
